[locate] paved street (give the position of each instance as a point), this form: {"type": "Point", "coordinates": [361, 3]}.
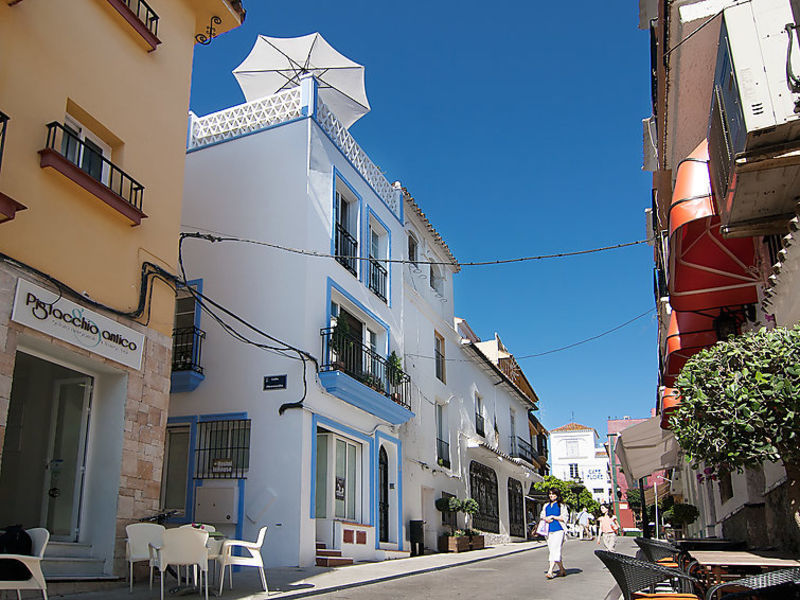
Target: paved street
{"type": "Point", "coordinates": [518, 575]}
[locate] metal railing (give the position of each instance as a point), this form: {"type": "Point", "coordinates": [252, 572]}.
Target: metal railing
{"type": "Point", "coordinates": [541, 443]}
{"type": "Point", "coordinates": [144, 13]}
{"type": "Point", "coordinates": [480, 425]}
{"type": "Point", "coordinates": [346, 249]}
{"type": "Point", "coordinates": [187, 346]}
{"type": "Point", "coordinates": [443, 453]}
{"type": "Point", "coordinates": [521, 449]}
{"type": "Point", "coordinates": [75, 150]}
{"type": "Point", "coordinates": [4, 118]}
{"type": "Point", "coordinates": [345, 353]}
{"type": "Point", "coordinates": [377, 278]}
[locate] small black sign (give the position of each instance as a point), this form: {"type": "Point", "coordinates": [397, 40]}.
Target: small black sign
{"type": "Point", "coordinates": [274, 382]}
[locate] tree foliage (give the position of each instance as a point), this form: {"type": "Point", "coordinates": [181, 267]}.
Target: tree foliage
{"type": "Point", "coordinates": [740, 401]}
{"type": "Point", "coordinates": [575, 495]}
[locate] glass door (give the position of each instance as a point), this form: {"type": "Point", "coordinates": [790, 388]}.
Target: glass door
{"type": "Point", "coordinates": [65, 464]}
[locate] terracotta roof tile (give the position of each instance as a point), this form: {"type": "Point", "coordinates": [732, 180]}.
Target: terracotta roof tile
{"type": "Point", "coordinates": [571, 427]}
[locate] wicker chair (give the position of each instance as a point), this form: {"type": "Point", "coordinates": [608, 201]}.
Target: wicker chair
{"type": "Point", "coordinates": [660, 552]}
{"type": "Point", "coordinates": [774, 584]}
{"type": "Point", "coordinates": [637, 578]}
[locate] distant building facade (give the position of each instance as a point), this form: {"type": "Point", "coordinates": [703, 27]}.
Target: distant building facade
{"type": "Point", "coordinates": [576, 456]}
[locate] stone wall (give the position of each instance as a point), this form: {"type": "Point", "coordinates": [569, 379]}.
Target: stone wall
{"type": "Point", "coordinates": [780, 527]}
{"type": "Point", "coordinates": [147, 401]}
{"type": "Point", "coordinates": [748, 524]}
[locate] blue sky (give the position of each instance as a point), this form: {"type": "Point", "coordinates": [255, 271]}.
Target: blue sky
{"type": "Point", "coordinates": [517, 128]}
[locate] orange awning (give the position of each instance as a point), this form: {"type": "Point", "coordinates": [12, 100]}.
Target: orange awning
{"type": "Point", "coordinates": [670, 400]}
{"type": "Point", "coordinates": [706, 270]}
{"type": "Point", "coordinates": [688, 333]}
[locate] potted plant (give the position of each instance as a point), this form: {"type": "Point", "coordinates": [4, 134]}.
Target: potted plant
{"type": "Point", "coordinates": [395, 372]}
{"type": "Point", "coordinates": [340, 344]}
{"type": "Point", "coordinates": [459, 540]}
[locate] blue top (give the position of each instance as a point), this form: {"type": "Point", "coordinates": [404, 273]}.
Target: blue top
{"type": "Point", "coordinates": [553, 510]}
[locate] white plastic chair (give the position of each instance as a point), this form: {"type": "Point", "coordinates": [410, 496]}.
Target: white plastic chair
{"type": "Point", "coordinates": [181, 547]}
{"type": "Point", "coordinates": [39, 538]}
{"type": "Point", "coordinates": [227, 559]}
{"type": "Point", "coordinates": [137, 546]}
{"type": "Point", "coordinates": [213, 548]}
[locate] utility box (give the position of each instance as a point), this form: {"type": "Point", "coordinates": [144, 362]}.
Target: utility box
{"type": "Point", "coordinates": [215, 505]}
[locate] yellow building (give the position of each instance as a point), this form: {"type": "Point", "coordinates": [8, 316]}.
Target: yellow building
{"type": "Point", "coordinates": [94, 98]}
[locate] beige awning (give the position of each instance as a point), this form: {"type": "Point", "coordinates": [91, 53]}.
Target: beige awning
{"type": "Point", "coordinates": [645, 448]}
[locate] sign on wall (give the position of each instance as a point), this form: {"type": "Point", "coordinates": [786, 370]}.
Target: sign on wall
{"type": "Point", "coordinates": [50, 313]}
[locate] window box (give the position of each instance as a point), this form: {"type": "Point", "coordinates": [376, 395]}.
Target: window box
{"type": "Point", "coordinates": [141, 17]}
{"type": "Point", "coordinates": [81, 161]}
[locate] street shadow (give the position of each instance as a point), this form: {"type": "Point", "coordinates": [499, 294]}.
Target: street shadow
{"type": "Point", "coordinates": [574, 571]}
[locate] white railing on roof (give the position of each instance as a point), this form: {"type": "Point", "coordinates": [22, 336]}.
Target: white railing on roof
{"type": "Point", "coordinates": [246, 118]}
{"type": "Point", "coordinates": [342, 138]}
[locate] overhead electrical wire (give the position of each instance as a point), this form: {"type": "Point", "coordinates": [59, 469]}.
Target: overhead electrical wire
{"type": "Point", "coordinates": [553, 351]}
{"type": "Point", "coordinates": [220, 238]}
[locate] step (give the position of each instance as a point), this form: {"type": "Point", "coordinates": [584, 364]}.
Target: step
{"type": "Point", "coordinates": [333, 561]}
{"type": "Point", "coordinates": [395, 554]}
{"type": "Point", "coordinates": [71, 567]}
{"type": "Point", "coordinates": [321, 545]}
{"type": "Point", "coordinates": [321, 552]}
{"type": "Point", "coordinates": [68, 549]}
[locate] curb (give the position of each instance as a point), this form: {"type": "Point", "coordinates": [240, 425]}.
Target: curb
{"type": "Point", "coordinates": [336, 588]}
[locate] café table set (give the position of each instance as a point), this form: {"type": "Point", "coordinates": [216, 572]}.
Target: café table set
{"type": "Point", "coordinates": [703, 569]}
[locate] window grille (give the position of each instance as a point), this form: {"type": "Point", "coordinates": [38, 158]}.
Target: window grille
{"type": "Point", "coordinates": [516, 511]}
{"type": "Point", "coordinates": [223, 449]}
{"type": "Point", "coordinates": [483, 488]}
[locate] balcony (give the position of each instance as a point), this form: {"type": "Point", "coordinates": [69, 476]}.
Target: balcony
{"type": "Point", "coordinates": [141, 17]}
{"type": "Point", "coordinates": [377, 278]}
{"type": "Point", "coordinates": [480, 425]}
{"type": "Point", "coordinates": [355, 373]}
{"type": "Point", "coordinates": [521, 449]}
{"type": "Point", "coordinates": [187, 371]}
{"type": "Point", "coordinates": [346, 249]}
{"type": "Point", "coordinates": [72, 157]}
{"type": "Point", "coordinates": [541, 444]}
{"type": "Point", "coordinates": [443, 453]}
{"type": "Point", "coordinates": [8, 206]}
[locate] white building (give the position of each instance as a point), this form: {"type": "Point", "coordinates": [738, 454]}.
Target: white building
{"type": "Point", "coordinates": [343, 402]}
{"type": "Point", "coordinates": [576, 455]}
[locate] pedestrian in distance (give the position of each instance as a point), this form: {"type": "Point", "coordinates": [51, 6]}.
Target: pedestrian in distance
{"type": "Point", "coordinates": [584, 519]}
{"type": "Point", "coordinates": [609, 528]}
{"type": "Point", "coordinates": [555, 514]}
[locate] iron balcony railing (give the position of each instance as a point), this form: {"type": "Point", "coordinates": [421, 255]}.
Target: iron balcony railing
{"type": "Point", "coordinates": [345, 353]}
{"type": "Point", "coordinates": [480, 424]}
{"type": "Point", "coordinates": [443, 453]}
{"type": "Point", "coordinates": [187, 347]}
{"type": "Point", "coordinates": [377, 278]}
{"type": "Point", "coordinates": [541, 443]}
{"type": "Point", "coordinates": [145, 14]}
{"type": "Point", "coordinates": [346, 249]}
{"type": "Point", "coordinates": [521, 449]}
{"type": "Point", "coordinates": [87, 157]}
{"type": "Point", "coordinates": [3, 123]}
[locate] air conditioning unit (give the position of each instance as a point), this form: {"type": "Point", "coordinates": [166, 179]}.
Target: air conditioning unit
{"type": "Point", "coordinates": [754, 126]}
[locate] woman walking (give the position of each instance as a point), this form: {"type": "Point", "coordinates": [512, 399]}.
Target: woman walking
{"type": "Point", "coordinates": [555, 514]}
{"type": "Point", "coordinates": [608, 528]}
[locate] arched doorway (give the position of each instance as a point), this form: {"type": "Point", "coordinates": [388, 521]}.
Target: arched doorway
{"type": "Point", "coordinates": [383, 499]}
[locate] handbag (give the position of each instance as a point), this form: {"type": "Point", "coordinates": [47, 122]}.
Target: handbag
{"type": "Point", "coordinates": [542, 528]}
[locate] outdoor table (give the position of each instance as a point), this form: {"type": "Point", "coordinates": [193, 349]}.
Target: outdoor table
{"type": "Point", "coordinates": [709, 544]}
{"type": "Point", "coordinates": [719, 565]}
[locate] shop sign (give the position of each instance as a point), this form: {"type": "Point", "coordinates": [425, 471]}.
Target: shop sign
{"type": "Point", "coordinates": [222, 466]}
{"type": "Point", "coordinates": [52, 314]}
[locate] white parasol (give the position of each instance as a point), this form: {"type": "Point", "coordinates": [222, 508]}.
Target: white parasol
{"type": "Point", "coordinates": [276, 64]}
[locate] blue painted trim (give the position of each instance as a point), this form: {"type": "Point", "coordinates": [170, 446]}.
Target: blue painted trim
{"type": "Point", "coordinates": [249, 133]}
{"type": "Point", "coordinates": [389, 266]}
{"type": "Point", "coordinates": [379, 435]}
{"type": "Point", "coordinates": [188, 511]}
{"type": "Point", "coordinates": [337, 174]}
{"type": "Point", "coordinates": [349, 431]}
{"type": "Point", "coordinates": [377, 195]}
{"type": "Point", "coordinates": [359, 395]}
{"type": "Point", "coordinates": [313, 509]}
{"type": "Point", "coordinates": [333, 285]}
{"type": "Point", "coordinates": [240, 522]}
{"type": "Point", "coordinates": [185, 381]}
{"type": "Point", "coordinates": [222, 417]}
